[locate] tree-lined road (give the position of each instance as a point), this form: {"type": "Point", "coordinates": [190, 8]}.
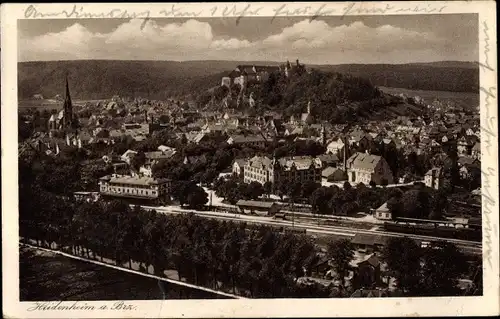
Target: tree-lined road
{"type": "Point", "coordinates": [466, 246]}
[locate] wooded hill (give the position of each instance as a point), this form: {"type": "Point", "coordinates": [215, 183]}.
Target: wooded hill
{"type": "Point", "coordinates": [334, 97]}
{"type": "Point", "coordinates": [97, 79]}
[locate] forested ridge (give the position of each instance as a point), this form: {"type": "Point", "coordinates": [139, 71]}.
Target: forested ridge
{"type": "Point", "coordinates": [98, 79]}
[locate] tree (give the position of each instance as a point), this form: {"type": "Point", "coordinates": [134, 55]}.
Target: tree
{"type": "Point", "coordinates": [208, 176]}
{"type": "Point", "coordinates": [443, 265]}
{"type": "Point", "coordinates": [347, 186]}
{"type": "Point", "coordinates": [384, 182]}
{"type": "Point", "coordinates": [395, 207]}
{"type": "Point", "coordinates": [255, 190]}
{"type": "Point", "coordinates": [181, 191]}
{"type": "Point", "coordinates": [341, 252]}
{"type": "Point", "coordinates": [308, 188]}
{"type": "Point", "coordinates": [439, 204]}
{"type": "Point", "coordinates": [268, 188]}
{"type": "Point", "coordinates": [197, 197]}
{"type": "Point", "coordinates": [294, 190]}
{"type": "Point", "coordinates": [320, 199]}
{"type": "Point", "coordinates": [403, 259]}
{"type": "Point", "coordinates": [373, 184]}
{"type": "Point", "coordinates": [415, 204]}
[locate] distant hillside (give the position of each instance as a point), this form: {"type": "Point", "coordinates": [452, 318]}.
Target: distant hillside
{"type": "Point", "coordinates": [437, 76]}
{"type": "Point", "coordinates": [95, 79]}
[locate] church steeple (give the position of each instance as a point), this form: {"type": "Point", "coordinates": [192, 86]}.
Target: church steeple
{"type": "Point", "coordinates": [68, 121]}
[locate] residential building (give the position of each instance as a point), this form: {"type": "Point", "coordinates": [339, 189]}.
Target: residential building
{"type": "Point", "coordinates": [335, 147]}
{"type": "Point", "coordinates": [333, 174]}
{"type": "Point", "coordinates": [368, 272]}
{"type": "Point", "coordinates": [434, 178]}
{"type": "Point", "coordinates": [328, 160]}
{"type": "Point", "coordinates": [134, 186]}
{"type": "Point", "coordinates": [287, 169]}
{"type": "Point", "coordinates": [383, 212]}
{"type": "Point", "coordinates": [127, 156]}
{"type": "Point", "coordinates": [476, 151]}
{"type": "Point", "coordinates": [465, 144]}
{"type": "Point", "coordinates": [152, 158]}
{"type": "Point", "coordinates": [364, 168]}
{"type": "Point", "coordinates": [238, 167]}
{"type": "Point", "coordinates": [195, 160]}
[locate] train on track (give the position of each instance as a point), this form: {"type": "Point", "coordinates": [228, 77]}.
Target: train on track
{"type": "Point", "coordinates": [435, 228]}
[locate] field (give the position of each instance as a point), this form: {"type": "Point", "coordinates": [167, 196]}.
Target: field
{"type": "Point", "coordinates": [466, 99]}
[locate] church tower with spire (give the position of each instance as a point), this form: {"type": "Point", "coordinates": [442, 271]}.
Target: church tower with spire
{"type": "Point", "coordinates": [68, 117]}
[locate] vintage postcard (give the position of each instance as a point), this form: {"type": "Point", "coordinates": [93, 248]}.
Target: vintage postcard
{"type": "Point", "coordinates": [249, 159]}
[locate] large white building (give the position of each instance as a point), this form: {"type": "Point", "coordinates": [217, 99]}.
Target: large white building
{"type": "Point", "coordinates": [134, 186]}
{"type": "Point", "coordinates": [263, 169]}
{"type": "Point", "coordinates": [364, 168]}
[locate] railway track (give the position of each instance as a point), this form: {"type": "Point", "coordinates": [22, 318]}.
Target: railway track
{"type": "Point", "coordinates": [469, 246]}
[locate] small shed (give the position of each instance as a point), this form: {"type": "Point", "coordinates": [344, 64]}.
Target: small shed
{"type": "Point", "coordinates": [258, 207]}
{"type": "Point", "coordinates": [383, 213]}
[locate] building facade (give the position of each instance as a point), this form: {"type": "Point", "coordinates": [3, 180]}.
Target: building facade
{"type": "Point", "coordinates": [134, 186]}
{"type": "Point", "coordinates": [262, 169]}
{"type": "Point", "coordinates": [434, 178]}
{"type": "Point", "coordinates": [364, 168]}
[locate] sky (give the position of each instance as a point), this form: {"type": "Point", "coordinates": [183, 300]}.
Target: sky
{"type": "Point", "coordinates": [325, 40]}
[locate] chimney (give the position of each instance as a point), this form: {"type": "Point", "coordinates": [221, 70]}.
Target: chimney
{"type": "Point", "coordinates": [298, 62]}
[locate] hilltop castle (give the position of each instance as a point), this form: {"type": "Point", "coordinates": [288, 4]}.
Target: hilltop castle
{"type": "Point", "coordinates": [248, 74]}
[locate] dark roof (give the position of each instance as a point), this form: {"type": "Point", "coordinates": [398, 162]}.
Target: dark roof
{"type": "Point", "coordinates": [328, 158]}
{"type": "Point", "coordinates": [464, 160]}
{"type": "Point", "coordinates": [366, 239]}
{"type": "Point", "coordinates": [255, 203]}
{"type": "Point", "coordinates": [241, 161]}
{"type": "Point", "coordinates": [373, 260]}
{"type": "Point", "coordinates": [329, 171]}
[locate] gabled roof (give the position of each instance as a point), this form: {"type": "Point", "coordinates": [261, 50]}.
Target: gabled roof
{"type": "Point", "coordinates": [327, 172]}
{"type": "Point", "coordinates": [372, 260]}
{"type": "Point", "coordinates": [363, 161]}
{"type": "Point", "coordinates": [240, 161]}
{"type": "Point", "coordinates": [328, 158]}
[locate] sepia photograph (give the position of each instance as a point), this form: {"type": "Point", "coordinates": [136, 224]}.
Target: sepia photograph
{"type": "Point", "coordinates": [256, 157]}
